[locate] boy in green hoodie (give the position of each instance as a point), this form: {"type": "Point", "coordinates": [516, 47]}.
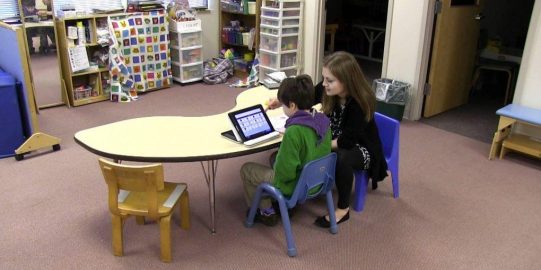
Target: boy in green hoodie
{"type": "Point", "coordinates": [307, 137]}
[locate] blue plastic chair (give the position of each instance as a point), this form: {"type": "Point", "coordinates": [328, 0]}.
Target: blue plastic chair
{"type": "Point", "coordinates": [389, 134]}
{"type": "Point", "coordinates": [319, 172]}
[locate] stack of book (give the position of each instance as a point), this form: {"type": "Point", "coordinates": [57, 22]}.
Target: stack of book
{"type": "Point", "coordinates": [143, 5]}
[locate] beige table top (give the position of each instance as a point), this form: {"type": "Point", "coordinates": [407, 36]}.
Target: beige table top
{"type": "Point", "coordinates": [175, 138]}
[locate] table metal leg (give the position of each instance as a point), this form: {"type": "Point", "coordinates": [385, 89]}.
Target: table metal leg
{"type": "Point", "coordinates": [210, 176]}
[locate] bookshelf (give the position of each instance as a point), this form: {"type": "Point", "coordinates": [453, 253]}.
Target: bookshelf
{"type": "Point", "coordinates": [91, 84]}
{"type": "Point", "coordinates": [247, 13]}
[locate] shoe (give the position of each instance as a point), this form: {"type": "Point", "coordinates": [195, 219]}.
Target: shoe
{"type": "Point", "coordinates": [267, 220]}
{"type": "Point", "coordinates": [290, 212]}
{"type": "Point", "coordinates": [324, 223]}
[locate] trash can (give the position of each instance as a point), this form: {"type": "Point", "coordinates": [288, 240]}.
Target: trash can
{"type": "Point", "coordinates": [11, 121]}
{"type": "Point", "coordinates": [391, 97]}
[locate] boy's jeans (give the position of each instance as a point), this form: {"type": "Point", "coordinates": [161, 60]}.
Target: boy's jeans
{"type": "Point", "coordinates": [252, 175]}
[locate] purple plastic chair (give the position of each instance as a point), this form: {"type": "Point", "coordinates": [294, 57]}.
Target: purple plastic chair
{"type": "Point", "coordinates": [316, 173]}
{"type": "Point", "coordinates": [389, 134]}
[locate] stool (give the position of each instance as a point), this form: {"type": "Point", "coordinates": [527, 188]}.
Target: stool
{"type": "Point", "coordinates": [508, 69]}
{"type": "Point", "coordinates": [330, 29]}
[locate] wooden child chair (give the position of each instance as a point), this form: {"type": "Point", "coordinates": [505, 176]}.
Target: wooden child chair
{"type": "Point", "coordinates": [141, 192]}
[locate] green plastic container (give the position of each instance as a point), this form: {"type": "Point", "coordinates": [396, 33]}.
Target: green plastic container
{"type": "Point", "coordinates": [395, 111]}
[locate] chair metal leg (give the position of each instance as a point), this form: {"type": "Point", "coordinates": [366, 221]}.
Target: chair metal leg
{"type": "Point", "coordinates": [393, 167]}
{"type": "Point", "coordinates": [117, 236]}
{"type": "Point", "coordinates": [255, 203]}
{"type": "Point", "coordinates": [332, 215]}
{"type": "Point", "coordinates": [291, 248]}
{"type": "Point", "coordinates": [165, 238]}
{"type": "Point", "coordinates": [185, 210]}
{"type": "Point", "coordinates": [361, 182]}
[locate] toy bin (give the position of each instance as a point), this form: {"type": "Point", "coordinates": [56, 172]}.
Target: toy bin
{"type": "Point", "coordinates": [11, 120]}
{"type": "Point", "coordinates": [191, 39]}
{"type": "Point", "coordinates": [191, 56]}
{"type": "Point", "coordinates": [268, 43]}
{"type": "Point", "coordinates": [289, 43]}
{"type": "Point", "coordinates": [286, 22]}
{"type": "Point", "coordinates": [270, 22]}
{"type": "Point", "coordinates": [268, 59]}
{"type": "Point", "coordinates": [192, 72]}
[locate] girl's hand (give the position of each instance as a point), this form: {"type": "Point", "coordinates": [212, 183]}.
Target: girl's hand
{"type": "Point", "coordinates": [272, 104]}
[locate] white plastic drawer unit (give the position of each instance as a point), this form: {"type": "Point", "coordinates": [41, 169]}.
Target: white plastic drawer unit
{"type": "Point", "coordinates": [280, 13]}
{"type": "Point", "coordinates": [270, 43]}
{"type": "Point", "coordinates": [185, 39]}
{"type": "Point", "coordinates": [286, 4]}
{"type": "Point", "coordinates": [187, 73]}
{"type": "Point", "coordinates": [275, 31]}
{"type": "Point", "coordinates": [290, 22]}
{"type": "Point", "coordinates": [268, 21]}
{"type": "Point", "coordinates": [188, 55]}
{"type": "Point", "coordinates": [192, 72]}
{"type": "Point", "coordinates": [191, 56]}
{"type": "Point", "coordinates": [277, 61]}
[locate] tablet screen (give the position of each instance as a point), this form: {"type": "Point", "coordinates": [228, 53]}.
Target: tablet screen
{"type": "Point", "coordinates": [252, 122]}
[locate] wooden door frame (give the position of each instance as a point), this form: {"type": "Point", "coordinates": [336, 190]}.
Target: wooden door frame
{"type": "Point", "coordinates": [417, 99]}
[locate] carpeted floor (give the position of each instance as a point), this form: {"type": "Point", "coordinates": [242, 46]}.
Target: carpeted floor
{"type": "Point", "coordinates": [457, 210]}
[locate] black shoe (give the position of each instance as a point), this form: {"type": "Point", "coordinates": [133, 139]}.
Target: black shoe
{"type": "Point", "coordinates": [267, 220]}
{"type": "Point", "coordinates": [290, 212]}
{"type": "Point", "coordinates": [324, 223]}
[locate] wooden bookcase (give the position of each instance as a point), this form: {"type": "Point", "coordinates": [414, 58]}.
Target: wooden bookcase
{"type": "Point", "coordinates": [96, 78]}
{"type": "Point", "coordinates": [248, 20]}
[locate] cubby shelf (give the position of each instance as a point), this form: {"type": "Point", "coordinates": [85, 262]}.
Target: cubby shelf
{"type": "Point", "coordinates": [92, 77]}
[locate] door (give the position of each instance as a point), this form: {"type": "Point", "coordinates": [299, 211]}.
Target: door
{"type": "Point", "coordinates": [453, 55]}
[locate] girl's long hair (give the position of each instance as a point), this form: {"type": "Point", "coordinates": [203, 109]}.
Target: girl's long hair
{"type": "Point", "coordinates": [345, 68]}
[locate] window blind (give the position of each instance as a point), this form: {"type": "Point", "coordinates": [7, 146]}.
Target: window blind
{"type": "Point", "coordinates": [87, 5]}
{"type": "Point", "coordinates": [9, 9]}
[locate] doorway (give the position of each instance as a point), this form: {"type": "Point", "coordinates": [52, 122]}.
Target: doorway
{"type": "Point", "coordinates": [358, 27]}
{"type": "Point", "coordinates": [497, 61]}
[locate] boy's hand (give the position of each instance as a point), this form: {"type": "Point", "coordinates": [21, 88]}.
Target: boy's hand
{"type": "Point", "coordinates": [272, 104]}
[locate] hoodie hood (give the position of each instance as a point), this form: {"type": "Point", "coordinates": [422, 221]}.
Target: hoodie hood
{"type": "Point", "coordinates": [319, 122]}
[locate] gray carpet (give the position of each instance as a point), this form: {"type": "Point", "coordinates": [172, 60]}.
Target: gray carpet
{"type": "Point", "coordinates": [457, 210]}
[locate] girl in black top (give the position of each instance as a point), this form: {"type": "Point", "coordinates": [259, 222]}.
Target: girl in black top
{"type": "Point", "coordinates": [349, 101]}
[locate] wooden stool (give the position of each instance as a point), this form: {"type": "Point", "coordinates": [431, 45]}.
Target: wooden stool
{"type": "Point", "coordinates": [509, 70]}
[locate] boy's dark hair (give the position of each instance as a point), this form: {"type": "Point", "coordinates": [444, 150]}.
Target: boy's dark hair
{"type": "Point", "coordinates": [299, 90]}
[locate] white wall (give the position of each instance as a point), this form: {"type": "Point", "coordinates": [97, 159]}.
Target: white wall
{"type": "Point", "coordinates": [407, 40]}
{"type": "Point", "coordinates": [210, 23]}
{"type": "Point", "coordinates": [313, 34]}
{"type": "Point", "coordinates": [528, 90]}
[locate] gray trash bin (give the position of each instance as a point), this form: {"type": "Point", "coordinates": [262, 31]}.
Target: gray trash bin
{"type": "Point", "coordinates": [391, 97]}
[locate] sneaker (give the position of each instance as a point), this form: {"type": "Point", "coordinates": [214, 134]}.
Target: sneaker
{"type": "Point", "coordinates": [290, 211]}
{"type": "Point", "coordinates": [265, 218]}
